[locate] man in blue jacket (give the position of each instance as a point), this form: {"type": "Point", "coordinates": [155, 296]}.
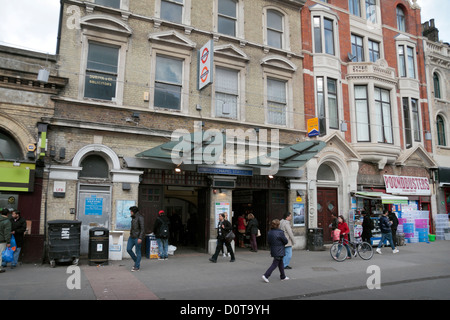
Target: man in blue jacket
{"type": "Point", "coordinates": [386, 233]}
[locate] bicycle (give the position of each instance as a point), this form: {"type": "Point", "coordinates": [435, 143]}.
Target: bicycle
{"type": "Point", "coordinates": [338, 251]}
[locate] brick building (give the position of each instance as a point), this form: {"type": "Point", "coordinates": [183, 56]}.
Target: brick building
{"type": "Point", "coordinates": [365, 81]}
{"type": "Point", "coordinates": [28, 80]}
{"type": "Point", "coordinates": [133, 71]}
{"type": "Point", "coordinates": [437, 63]}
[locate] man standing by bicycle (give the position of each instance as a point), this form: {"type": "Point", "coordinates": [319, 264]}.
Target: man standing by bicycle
{"type": "Point", "coordinates": [386, 233]}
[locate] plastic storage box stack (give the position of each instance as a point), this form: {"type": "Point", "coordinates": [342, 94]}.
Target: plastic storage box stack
{"type": "Point", "coordinates": [414, 224]}
{"type": "Point", "coordinates": [442, 225]}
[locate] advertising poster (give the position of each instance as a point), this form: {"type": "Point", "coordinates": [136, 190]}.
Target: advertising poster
{"type": "Point", "coordinates": [222, 207]}
{"type": "Point", "coordinates": [299, 214]}
{"type": "Point", "coordinates": [123, 216]}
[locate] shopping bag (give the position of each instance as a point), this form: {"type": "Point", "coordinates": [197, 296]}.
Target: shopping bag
{"type": "Point", "coordinates": [13, 243]}
{"type": "Point", "coordinates": [7, 255]}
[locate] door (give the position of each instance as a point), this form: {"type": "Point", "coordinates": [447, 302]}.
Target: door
{"type": "Point", "coordinates": [94, 210]}
{"type": "Point", "coordinates": [203, 219]}
{"type": "Point", "coordinates": [327, 203]}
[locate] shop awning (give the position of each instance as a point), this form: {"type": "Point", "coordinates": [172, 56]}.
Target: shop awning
{"type": "Point", "coordinates": [193, 148]}
{"type": "Point", "coordinates": [291, 157]}
{"type": "Point", "coordinates": [385, 198]}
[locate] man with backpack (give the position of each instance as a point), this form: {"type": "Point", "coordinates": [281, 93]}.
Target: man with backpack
{"type": "Point", "coordinates": [161, 231]}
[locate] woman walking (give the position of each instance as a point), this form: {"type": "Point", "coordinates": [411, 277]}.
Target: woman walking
{"type": "Point", "coordinates": [277, 241]}
{"type": "Point", "coordinates": [252, 230]}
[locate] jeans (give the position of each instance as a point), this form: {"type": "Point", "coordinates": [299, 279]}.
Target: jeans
{"type": "Point", "coordinates": [220, 243]}
{"type": "Point", "coordinates": [287, 256]}
{"type": "Point", "coordinates": [386, 237]}
{"type": "Point", "coordinates": [136, 257]}
{"type": "Point", "coordinates": [163, 246]}
{"type": "Point", "coordinates": [253, 242]}
{"type": "Point", "coordinates": [277, 262]}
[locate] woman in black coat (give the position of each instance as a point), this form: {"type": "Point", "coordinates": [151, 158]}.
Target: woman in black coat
{"type": "Point", "coordinates": [277, 241]}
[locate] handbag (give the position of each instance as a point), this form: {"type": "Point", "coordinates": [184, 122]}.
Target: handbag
{"type": "Point", "coordinates": [8, 255]}
{"type": "Point", "coordinates": [258, 234]}
{"type": "Point", "coordinates": [230, 236]}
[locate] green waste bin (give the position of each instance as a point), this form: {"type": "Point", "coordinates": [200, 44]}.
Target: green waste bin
{"type": "Point", "coordinates": [315, 239]}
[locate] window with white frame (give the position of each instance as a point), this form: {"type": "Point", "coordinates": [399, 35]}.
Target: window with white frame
{"type": "Point", "coordinates": [101, 71]}
{"type": "Point", "coordinates": [109, 3]}
{"type": "Point", "coordinates": [401, 21]}
{"type": "Point", "coordinates": [362, 113]}
{"type": "Point", "coordinates": [411, 120]}
{"type": "Point", "coordinates": [227, 17]}
{"type": "Point", "coordinates": [276, 101]}
{"type": "Point", "coordinates": [383, 115]}
{"type": "Point", "coordinates": [323, 35]}
{"type": "Point", "coordinates": [441, 132]}
{"type": "Point", "coordinates": [374, 50]}
{"type": "Point", "coordinates": [357, 48]}
{"type": "Point", "coordinates": [168, 82]}
{"type": "Point", "coordinates": [172, 10]}
{"type": "Point", "coordinates": [275, 29]}
{"type": "Point", "coordinates": [327, 104]}
{"type": "Point", "coordinates": [406, 57]}
{"type": "Point", "coordinates": [371, 10]}
{"type": "Point", "coordinates": [226, 92]}
{"type": "Point", "coordinates": [354, 7]}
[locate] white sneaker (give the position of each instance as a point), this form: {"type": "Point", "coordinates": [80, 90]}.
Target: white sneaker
{"type": "Point", "coordinates": [224, 255]}
{"type": "Point", "coordinates": [378, 250]}
{"type": "Point", "coordinates": [265, 279]}
{"type": "Point", "coordinates": [395, 250]}
{"type": "Point", "coordinates": [286, 278]}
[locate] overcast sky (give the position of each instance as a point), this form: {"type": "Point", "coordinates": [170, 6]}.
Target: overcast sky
{"type": "Point", "coordinates": [33, 24]}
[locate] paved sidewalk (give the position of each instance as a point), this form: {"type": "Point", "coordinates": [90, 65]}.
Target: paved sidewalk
{"type": "Point", "coordinates": [188, 275]}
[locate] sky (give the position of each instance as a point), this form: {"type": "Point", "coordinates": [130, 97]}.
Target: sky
{"type": "Point", "coordinates": [33, 24]}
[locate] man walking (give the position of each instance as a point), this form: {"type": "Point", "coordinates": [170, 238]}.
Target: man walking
{"type": "Point", "coordinates": [386, 234]}
{"type": "Point", "coordinates": [161, 231]}
{"type": "Point", "coordinates": [136, 237]}
{"type": "Point", "coordinates": [285, 226]}
{"type": "Point", "coordinates": [5, 233]}
{"type": "Point", "coordinates": [18, 228]}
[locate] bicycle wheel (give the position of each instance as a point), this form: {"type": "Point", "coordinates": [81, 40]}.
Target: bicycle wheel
{"type": "Point", "coordinates": [365, 250]}
{"type": "Point", "coordinates": [338, 252]}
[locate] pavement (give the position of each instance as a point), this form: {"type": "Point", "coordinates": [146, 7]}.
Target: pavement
{"type": "Point", "coordinates": [418, 271]}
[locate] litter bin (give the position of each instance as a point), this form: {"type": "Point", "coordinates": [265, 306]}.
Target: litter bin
{"type": "Point", "coordinates": [98, 246]}
{"type": "Point", "coordinates": [315, 239]}
{"type": "Point", "coordinates": [64, 241]}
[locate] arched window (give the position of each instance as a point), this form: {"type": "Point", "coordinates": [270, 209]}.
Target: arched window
{"type": "Point", "coordinates": [94, 166]}
{"type": "Point", "coordinates": [401, 23]}
{"type": "Point", "coordinates": [440, 124]}
{"type": "Point", "coordinates": [9, 149]}
{"type": "Point", "coordinates": [437, 86]}
{"type": "Point", "coordinates": [325, 173]}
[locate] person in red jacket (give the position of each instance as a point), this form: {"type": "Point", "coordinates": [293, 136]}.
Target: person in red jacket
{"type": "Point", "coordinates": [343, 226]}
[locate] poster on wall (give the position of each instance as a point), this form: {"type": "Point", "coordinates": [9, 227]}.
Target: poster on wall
{"type": "Point", "coordinates": [123, 216]}
{"type": "Point", "coordinates": [299, 214]}
{"type": "Point", "coordinates": [222, 207]}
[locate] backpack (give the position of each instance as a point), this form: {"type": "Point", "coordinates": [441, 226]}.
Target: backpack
{"type": "Point", "coordinates": [163, 230]}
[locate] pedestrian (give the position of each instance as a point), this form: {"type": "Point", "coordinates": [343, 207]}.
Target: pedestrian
{"type": "Point", "coordinates": [242, 223]}
{"type": "Point", "coordinates": [161, 231]}
{"type": "Point", "coordinates": [285, 226]}
{"type": "Point", "coordinates": [367, 226]}
{"type": "Point", "coordinates": [223, 228]}
{"type": "Point", "coordinates": [393, 218]}
{"type": "Point", "coordinates": [252, 230]}
{"type": "Point", "coordinates": [136, 237]}
{"type": "Point", "coordinates": [5, 234]}
{"type": "Point", "coordinates": [277, 242]}
{"type": "Point", "coordinates": [334, 226]}
{"type": "Point", "coordinates": [18, 228]}
{"type": "Point", "coordinates": [386, 232]}
{"type": "Point", "coordinates": [343, 227]}
{"type": "Point", "coordinates": [224, 247]}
